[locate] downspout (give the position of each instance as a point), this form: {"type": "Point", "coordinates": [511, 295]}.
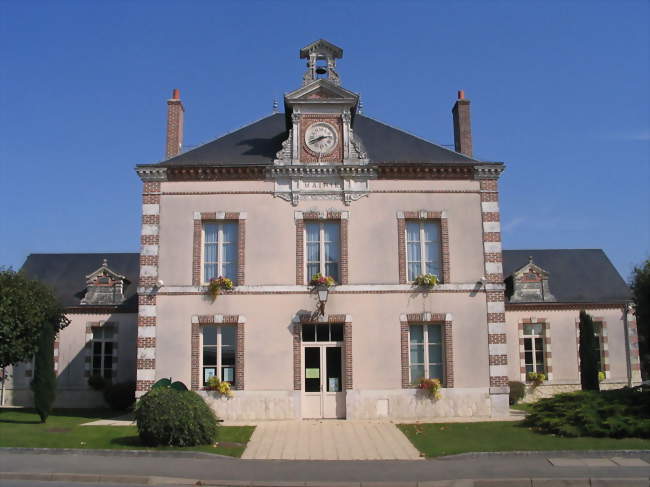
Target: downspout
{"type": "Point", "coordinates": [627, 307]}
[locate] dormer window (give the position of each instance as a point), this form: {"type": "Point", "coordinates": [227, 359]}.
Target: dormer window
{"type": "Point", "coordinates": [530, 284]}
{"type": "Point", "coordinates": [104, 287]}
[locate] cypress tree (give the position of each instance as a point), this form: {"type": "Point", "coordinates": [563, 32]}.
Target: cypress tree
{"type": "Point", "coordinates": [588, 358]}
{"type": "Point", "coordinates": [44, 383]}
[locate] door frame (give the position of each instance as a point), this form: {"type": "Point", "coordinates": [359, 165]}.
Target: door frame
{"type": "Point", "coordinates": [322, 346]}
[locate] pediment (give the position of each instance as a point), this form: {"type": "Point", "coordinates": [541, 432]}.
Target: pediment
{"type": "Point", "coordinates": [321, 90]}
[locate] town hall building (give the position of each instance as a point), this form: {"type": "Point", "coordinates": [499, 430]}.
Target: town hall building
{"type": "Point", "coordinates": [322, 189]}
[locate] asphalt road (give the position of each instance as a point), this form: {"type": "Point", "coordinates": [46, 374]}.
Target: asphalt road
{"type": "Point", "coordinates": [482, 466]}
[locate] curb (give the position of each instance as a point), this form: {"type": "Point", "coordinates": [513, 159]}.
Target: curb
{"type": "Point", "coordinates": [571, 453]}
{"type": "Point", "coordinates": [117, 453]}
{"type": "Point", "coordinates": [149, 480]}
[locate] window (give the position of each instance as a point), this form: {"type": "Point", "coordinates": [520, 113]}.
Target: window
{"type": "Point", "coordinates": [322, 332]}
{"type": "Point", "coordinates": [598, 345]}
{"type": "Point", "coordinates": [423, 254]}
{"type": "Point", "coordinates": [219, 348]}
{"type": "Point", "coordinates": [220, 249]}
{"type": "Point", "coordinates": [323, 249]}
{"type": "Point", "coordinates": [102, 358]}
{"type": "Point", "coordinates": [534, 348]}
{"type": "Point", "coordinates": [426, 352]}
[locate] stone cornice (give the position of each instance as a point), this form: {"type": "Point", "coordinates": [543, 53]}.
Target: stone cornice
{"type": "Point", "coordinates": [215, 173]}
{"type": "Point", "coordinates": [550, 306]}
{"type": "Point", "coordinates": [314, 170]}
{"type": "Point", "coordinates": [488, 172]}
{"type": "Point", "coordinates": [150, 173]}
{"type": "Point", "coordinates": [425, 171]}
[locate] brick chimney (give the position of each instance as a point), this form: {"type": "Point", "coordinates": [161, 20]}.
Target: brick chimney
{"type": "Point", "coordinates": [462, 125]}
{"type": "Point", "coordinates": [175, 112]}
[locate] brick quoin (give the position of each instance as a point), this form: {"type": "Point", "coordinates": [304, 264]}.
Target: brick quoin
{"type": "Point", "coordinates": [496, 338]}
{"type": "Point", "coordinates": [151, 219]}
{"type": "Point", "coordinates": [488, 185]}
{"type": "Point", "coordinates": [146, 342]}
{"type": "Point", "coordinates": [490, 216]}
{"type": "Point", "coordinates": [489, 197]}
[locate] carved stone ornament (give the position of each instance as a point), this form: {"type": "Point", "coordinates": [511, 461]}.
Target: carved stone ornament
{"type": "Point", "coordinates": [104, 287]}
{"type": "Point", "coordinates": [530, 284]}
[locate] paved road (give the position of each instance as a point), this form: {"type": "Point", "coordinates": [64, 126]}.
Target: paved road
{"type": "Point", "coordinates": [223, 468]}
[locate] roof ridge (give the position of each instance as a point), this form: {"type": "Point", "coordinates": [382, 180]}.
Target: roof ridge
{"type": "Point", "coordinates": [418, 137]}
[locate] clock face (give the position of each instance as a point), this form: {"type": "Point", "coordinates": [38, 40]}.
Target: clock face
{"type": "Point", "coordinates": [321, 138]}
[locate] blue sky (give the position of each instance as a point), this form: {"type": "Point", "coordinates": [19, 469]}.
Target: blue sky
{"type": "Point", "coordinates": [559, 92]}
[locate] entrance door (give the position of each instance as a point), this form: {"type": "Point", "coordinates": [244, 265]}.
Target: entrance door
{"type": "Point", "coordinates": [323, 395]}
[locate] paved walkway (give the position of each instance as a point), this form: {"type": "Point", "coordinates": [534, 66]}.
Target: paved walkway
{"type": "Point", "coordinates": [329, 440]}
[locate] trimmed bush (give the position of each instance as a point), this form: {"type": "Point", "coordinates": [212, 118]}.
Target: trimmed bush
{"type": "Point", "coordinates": [620, 413]}
{"type": "Point", "coordinates": [44, 383]}
{"type": "Point", "coordinates": [120, 396]}
{"type": "Point", "coordinates": [517, 392]}
{"type": "Point", "coordinates": [167, 416]}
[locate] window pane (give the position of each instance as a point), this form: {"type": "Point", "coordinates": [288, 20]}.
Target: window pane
{"type": "Point", "coordinates": [433, 256]}
{"type": "Point", "coordinates": [108, 362]}
{"type": "Point", "coordinates": [417, 372]}
{"type": "Point", "coordinates": [210, 231]}
{"type": "Point", "coordinates": [228, 374]}
{"type": "Point", "coordinates": [431, 232]}
{"type": "Point", "coordinates": [534, 329]}
{"type": "Point", "coordinates": [417, 354]}
{"type": "Point", "coordinates": [312, 269]}
{"type": "Point", "coordinates": [97, 348]}
{"type": "Point", "coordinates": [108, 348]}
{"type": "Point", "coordinates": [207, 373]}
{"type": "Point", "coordinates": [209, 355]}
{"type": "Point", "coordinates": [209, 335]}
{"type": "Point", "coordinates": [435, 372]}
{"type": "Point", "coordinates": [313, 252]}
{"type": "Point", "coordinates": [230, 252]}
{"type": "Point", "coordinates": [414, 270]}
{"type": "Point", "coordinates": [209, 272]}
{"type": "Point", "coordinates": [331, 232]}
{"type": "Point", "coordinates": [416, 333]}
{"type": "Point", "coordinates": [323, 333]}
{"type": "Point", "coordinates": [97, 362]}
{"type": "Point", "coordinates": [230, 271]}
{"type": "Point", "coordinates": [336, 332]}
{"type": "Point", "coordinates": [435, 354]}
{"type": "Point", "coordinates": [230, 233]}
{"type": "Point", "coordinates": [435, 333]}
{"type": "Point", "coordinates": [413, 249]}
{"type": "Point", "coordinates": [228, 335]}
{"type": "Point", "coordinates": [312, 230]}
{"type": "Point", "coordinates": [413, 232]}
{"type": "Point", "coordinates": [332, 252]}
{"type": "Point", "coordinates": [98, 333]}
{"type": "Point", "coordinates": [332, 270]}
{"type": "Point", "coordinates": [228, 356]}
{"type": "Point", "coordinates": [308, 333]}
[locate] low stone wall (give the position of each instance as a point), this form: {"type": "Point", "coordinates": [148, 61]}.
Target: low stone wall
{"type": "Point", "coordinates": [250, 405]}
{"type": "Point", "coordinates": [65, 398]}
{"type": "Point", "coordinates": [548, 390]}
{"type": "Point", "coordinates": [416, 404]}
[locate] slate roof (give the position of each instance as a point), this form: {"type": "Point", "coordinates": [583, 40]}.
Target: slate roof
{"type": "Point", "coordinates": [575, 275]}
{"type": "Point", "coordinates": [66, 273]}
{"type": "Point", "coordinates": [258, 143]}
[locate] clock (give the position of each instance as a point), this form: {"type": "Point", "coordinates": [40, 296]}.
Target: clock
{"type": "Point", "coordinates": [321, 138]}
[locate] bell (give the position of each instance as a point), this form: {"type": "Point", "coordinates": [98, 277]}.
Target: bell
{"type": "Point", "coordinates": [321, 70]}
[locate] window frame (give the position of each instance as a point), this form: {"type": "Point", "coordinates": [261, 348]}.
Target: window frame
{"type": "Point", "coordinates": [424, 216]}
{"type": "Point", "coordinates": [103, 341]}
{"type": "Point", "coordinates": [322, 262]}
{"type": "Point", "coordinates": [533, 337]}
{"type": "Point", "coordinates": [218, 353]}
{"type": "Point", "coordinates": [423, 251]}
{"type": "Point", "coordinates": [425, 343]}
{"type": "Point", "coordinates": [220, 252]}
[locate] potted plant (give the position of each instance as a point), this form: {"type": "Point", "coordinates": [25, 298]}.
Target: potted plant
{"type": "Point", "coordinates": [426, 280]}
{"type": "Point", "coordinates": [219, 284]}
{"type": "Point", "coordinates": [319, 280]}
{"type": "Point", "coordinates": [431, 386]}
{"type": "Point", "coordinates": [219, 386]}
{"type": "Point", "coordinates": [536, 378]}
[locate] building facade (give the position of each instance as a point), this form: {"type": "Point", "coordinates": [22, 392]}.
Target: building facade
{"type": "Point", "coordinates": [323, 189]}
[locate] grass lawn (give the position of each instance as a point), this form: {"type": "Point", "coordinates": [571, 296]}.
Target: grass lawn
{"type": "Point", "coordinates": [450, 438]}
{"type": "Point", "coordinates": [22, 428]}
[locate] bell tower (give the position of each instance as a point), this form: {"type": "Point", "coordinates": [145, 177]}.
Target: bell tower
{"type": "Point", "coordinates": [321, 142]}
{"type": "Point", "coordinates": [321, 61]}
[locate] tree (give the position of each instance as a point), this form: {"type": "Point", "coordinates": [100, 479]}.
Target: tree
{"type": "Point", "coordinates": [641, 295]}
{"type": "Point", "coordinates": [44, 383]}
{"type": "Point", "coordinates": [588, 358]}
{"type": "Point", "coordinates": [26, 306]}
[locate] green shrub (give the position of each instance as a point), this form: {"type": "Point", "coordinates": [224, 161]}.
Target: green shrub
{"type": "Point", "coordinates": [167, 416]}
{"type": "Point", "coordinates": [517, 392]}
{"type": "Point", "coordinates": [616, 413]}
{"type": "Point", "coordinates": [120, 396]}
{"type": "Point", "coordinates": [97, 382]}
{"type": "Point", "coordinates": [44, 382]}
